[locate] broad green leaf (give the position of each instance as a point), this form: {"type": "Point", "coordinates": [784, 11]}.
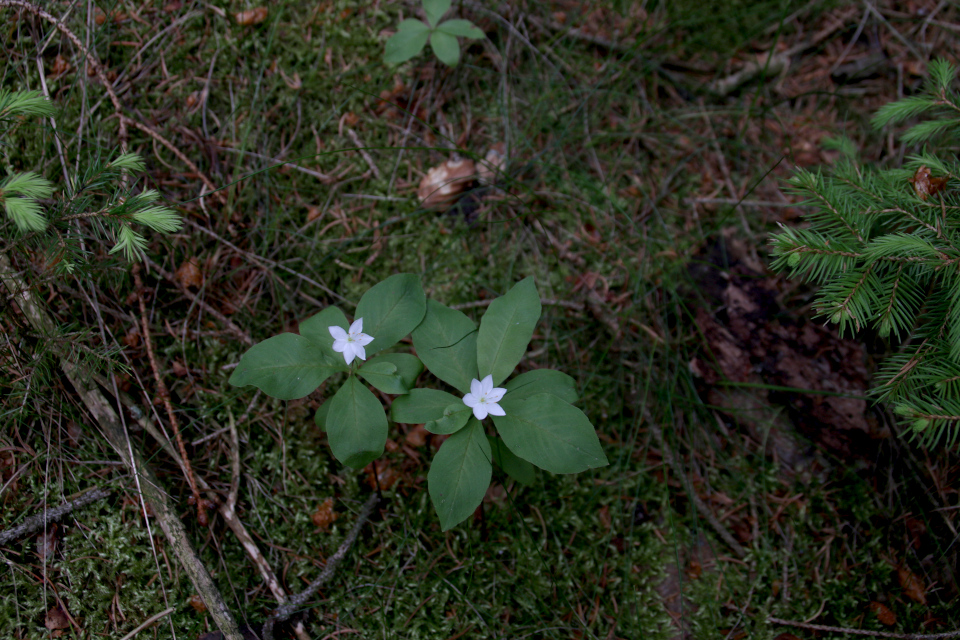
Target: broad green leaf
{"type": "Point", "coordinates": [316, 329]}
{"type": "Point", "coordinates": [421, 406]}
{"type": "Point", "coordinates": [393, 373]}
{"type": "Point", "coordinates": [550, 433]}
{"type": "Point", "coordinates": [454, 417]}
{"type": "Point", "coordinates": [515, 467]}
{"type": "Point", "coordinates": [391, 309]}
{"type": "Point", "coordinates": [461, 28]}
{"type": "Point", "coordinates": [506, 329]}
{"type": "Point", "coordinates": [408, 41]}
{"type": "Point", "coordinates": [460, 474]}
{"type": "Point", "coordinates": [286, 366]}
{"type": "Point", "coordinates": [435, 9]}
{"type": "Point", "coordinates": [446, 342]}
{"type": "Point", "coordinates": [542, 381]}
{"type": "Point", "coordinates": [320, 417]}
{"type": "Point", "coordinates": [356, 425]}
{"type": "Point", "coordinates": [446, 48]}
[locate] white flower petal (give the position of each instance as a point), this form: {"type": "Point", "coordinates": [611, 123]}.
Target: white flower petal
{"type": "Point", "coordinates": [337, 332]}
{"type": "Point", "coordinates": [471, 400]}
{"type": "Point", "coordinates": [494, 409]}
{"type": "Point", "coordinates": [496, 394]}
{"type": "Point", "coordinates": [357, 326]}
{"type": "Point", "coordinates": [487, 384]}
{"type": "Point", "coordinates": [348, 352]}
{"type": "Point", "coordinates": [363, 339]}
{"type": "Point", "coordinates": [480, 411]}
{"type": "Point", "coordinates": [339, 345]}
{"type": "Point", "coordinates": [476, 388]}
{"type": "Point", "coordinates": [359, 350]}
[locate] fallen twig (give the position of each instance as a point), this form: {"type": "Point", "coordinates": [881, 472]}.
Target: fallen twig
{"type": "Point", "coordinates": [38, 521]}
{"type": "Point", "coordinates": [297, 601]}
{"type": "Point", "coordinates": [866, 632]}
{"type": "Point", "coordinates": [700, 505]}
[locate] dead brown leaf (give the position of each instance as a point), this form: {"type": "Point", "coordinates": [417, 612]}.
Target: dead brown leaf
{"type": "Point", "coordinates": [324, 516]}
{"type": "Point", "coordinates": [417, 436]}
{"type": "Point", "coordinates": [912, 585]}
{"type": "Point", "coordinates": [883, 613]}
{"type": "Point", "coordinates": [926, 186]}
{"type": "Point", "coordinates": [56, 618]}
{"type": "Point", "coordinates": [251, 16]}
{"type": "Point", "coordinates": [189, 274]}
{"type": "Point", "coordinates": [60, 66]}
{"type": "Point", "coordinates": [197, 603]}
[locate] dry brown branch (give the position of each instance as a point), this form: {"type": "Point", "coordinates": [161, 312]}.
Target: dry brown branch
{"type": "Point", "coordinates": [165, 396]}
{"type": "Point", "coordinates": [700, 505]}
{"type": "Point", "coordinates": [35, 522]}
{"type": "Point", "coordinates": [113, 429]}
{"type": "Point", "coordinates": [866, 632]}
{"type": "Point", "coordinates": [297, 601]}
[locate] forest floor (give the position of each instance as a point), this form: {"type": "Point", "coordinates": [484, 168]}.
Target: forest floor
{"type": "Point", "coordinates": [753, 491]}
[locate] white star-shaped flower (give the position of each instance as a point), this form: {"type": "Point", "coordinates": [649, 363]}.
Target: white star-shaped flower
{"type": "Point", "coordinates": [483, 398]}
{"type": "Point", "coordinates": [350, 343]}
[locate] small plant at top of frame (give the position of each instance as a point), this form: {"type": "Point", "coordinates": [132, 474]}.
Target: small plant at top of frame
{"type": "Point", "coordinates": [535, 422]}
{"type": "Point", "coordinates": [55, 228]}
{"type": "Point", "coordinates": [412, 36]}
{"type": "Point", "coordinates": [885, 247]}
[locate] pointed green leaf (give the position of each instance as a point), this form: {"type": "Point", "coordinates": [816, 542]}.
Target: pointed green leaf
{"type": "Point", "coordinates": [461, 28]}
{"type": "Point", "coordinates": [446, 48]}
{"type": "Point", "coordinates": [542, 381]}
{"type": "Point", "coordinates": [392, 373]}
{"type": "Point", "coordinates": [460, 474]}
{"type": "Point", "coordinates": [506, 329]}
{"type": "Point", "coordinates": [550, 433]}
{"type": "Point", "coordinates": [454, 417]}
{"type": "Point", "coordinates": [316, 329]}
{"type": "Point", "coordinates": [286, 366]}
{"type": "Point", "coordinates": [517, 468]}
{"type": "Point", "coordinates": [421, 406]}
{"type": "Point", "coordinates": [435, 9]}
{"type": "Point", "coordinates": [408, 41]}
{"type": "Point", "coordinates": [446, 342]}
{"type": "Point", "coordinates": [356, 425]}
{"type": "Point", "coordinates": [391, 309]}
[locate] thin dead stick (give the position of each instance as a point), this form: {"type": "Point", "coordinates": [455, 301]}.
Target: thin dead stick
{"type": "Point", "coordinates": [149, 621]}
{"type": "Point", "coordinates": [36, 522]}
{"type": "Point", "coordinates": [866, 632]}
{"type": "Point", "coordinates": [363, 153]}
{"type": "Point", "coordinates": [234, 329]}
{"type": "Point", "coordinates": [701, 507]}
{"type": "Point", "coordinates": [297, 601]}
{"type": "Point", "coordinates": [165, 396]}
{"type": "Point", "coordinates": [113, 430]}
